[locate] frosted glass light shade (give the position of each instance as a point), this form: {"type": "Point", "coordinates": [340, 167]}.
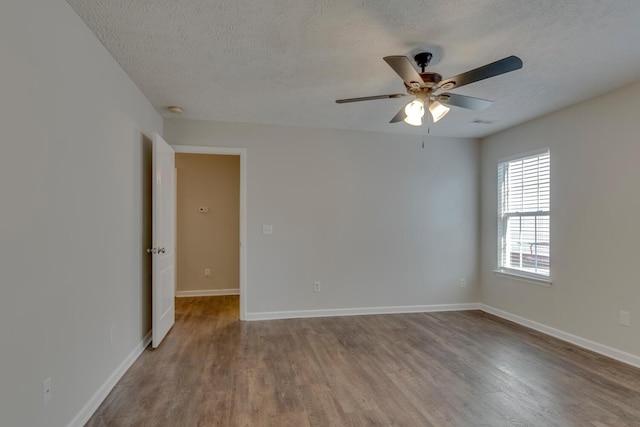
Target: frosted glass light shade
{"type": "Point", "coordinates": [414, 111]}
{"type": "Point", "coordinates": [438, 111]}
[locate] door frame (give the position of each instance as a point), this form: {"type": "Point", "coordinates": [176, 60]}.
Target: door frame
{"type": "Point", "coordinates": [242, 152]}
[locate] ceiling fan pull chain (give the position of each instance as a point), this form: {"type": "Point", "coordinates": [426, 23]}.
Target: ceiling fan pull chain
{"type": "Point", "coordinates": [428, 127]}
{"type": "Point", "coordinates": [426, 123]}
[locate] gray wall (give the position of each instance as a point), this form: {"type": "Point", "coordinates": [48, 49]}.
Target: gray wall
{"type": "Point", "coordinates": [378, 220]}
{"type": "Point", "coordinates": [375, 218]}
{"type": "Point", "coordinates": [74, 188]}
{"type": "Point", "coordinates": [595, 232]}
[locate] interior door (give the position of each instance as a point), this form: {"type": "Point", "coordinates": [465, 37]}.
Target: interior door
{"type": "Point", "coordinates": [163, 236]}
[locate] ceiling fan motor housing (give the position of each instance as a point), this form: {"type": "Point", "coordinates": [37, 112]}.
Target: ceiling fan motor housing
{"type": "Point", "coordinates": [430, 80]}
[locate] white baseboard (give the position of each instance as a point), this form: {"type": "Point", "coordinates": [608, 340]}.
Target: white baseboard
{"type": "Point", "coordinates": [98, 397]}
{"type": "Point", "coordinates": [611, 352]}
{"type": "Point", "coordinates": [273, 315]}
{"type": "Point", "coordinates": [207, 293]}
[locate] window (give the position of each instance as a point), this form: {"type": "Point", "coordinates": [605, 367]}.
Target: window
{"type": "Point", "coordinates": [523, 216]}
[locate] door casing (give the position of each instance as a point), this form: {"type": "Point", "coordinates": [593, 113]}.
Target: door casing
{"type": "Point", "coordinates": [242, 152]}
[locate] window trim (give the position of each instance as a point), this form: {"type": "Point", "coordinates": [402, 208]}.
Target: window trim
{"type": "Point", "coordinates": [524, 155]}
{"type": "Point", "coordinates": [523, 276]}
{"type": "Point", "coordinates": [507, 272]}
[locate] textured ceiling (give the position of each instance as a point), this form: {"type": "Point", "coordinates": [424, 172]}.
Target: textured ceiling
{"type": "Point", "coordinates": [286, 61]}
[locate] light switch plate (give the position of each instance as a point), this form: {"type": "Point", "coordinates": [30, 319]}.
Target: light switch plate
{"type": "Point", "coordinates": [47, 390]}
{"type": "Point", "coordinates": [625, 318]}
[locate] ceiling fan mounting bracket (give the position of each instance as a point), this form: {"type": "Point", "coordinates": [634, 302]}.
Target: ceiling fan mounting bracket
{"type": "Point", "coordinates": [423, 59]}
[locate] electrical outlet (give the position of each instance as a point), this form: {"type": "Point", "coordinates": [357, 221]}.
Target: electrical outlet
{"type": "Point", "coordinates": [463, 283]}
{"type": "Point", "coordinates": [112, 334]}
{"type": "Point", "coordinates": [203, 209]}
{"type": "Point", "coordinates": [267, 229]}
{"type": "Point", "coordinates": [316, 286]}
{"type": "Point", "coordinates": [625, 318]}
{"type": "Point", "coordinates": [207, 272]}
{"type": "Point", "coordinates": [47, 390]}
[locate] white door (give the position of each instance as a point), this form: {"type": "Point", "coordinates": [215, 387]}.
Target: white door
{"type": "Point", "coordinates": [163, 235]}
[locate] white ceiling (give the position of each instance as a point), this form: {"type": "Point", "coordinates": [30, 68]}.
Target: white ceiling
{"type": "Point", "coordinates": [285, 62]}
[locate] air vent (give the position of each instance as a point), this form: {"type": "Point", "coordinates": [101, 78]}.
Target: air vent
{"type": "Point", "coordinates": [482, 122]}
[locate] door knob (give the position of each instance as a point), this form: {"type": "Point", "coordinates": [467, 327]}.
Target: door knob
{"type": "Point", "coordinates": [156, 250]}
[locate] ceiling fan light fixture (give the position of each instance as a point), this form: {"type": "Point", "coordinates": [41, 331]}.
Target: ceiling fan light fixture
{"type": "Point", "coordinates": [438, 111]}
{"type": "Point", "coordinates": [413, 121]}
{"type": "Point", "coordinates": [174, 109]}
{"type": "Point", "coordinates": [427, 87]}
{"type": "Point", "coordinates": [414, 111]}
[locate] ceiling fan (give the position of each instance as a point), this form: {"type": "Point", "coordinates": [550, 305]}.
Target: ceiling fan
{"type": "Point", "coordinates": [428, 88]}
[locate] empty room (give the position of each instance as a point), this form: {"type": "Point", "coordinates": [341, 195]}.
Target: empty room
{"type": "Point", "coordinates": [319, 213]}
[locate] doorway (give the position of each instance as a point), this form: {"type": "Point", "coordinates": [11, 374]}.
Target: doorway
{"type": "Point", "coordinates": [211, 222]}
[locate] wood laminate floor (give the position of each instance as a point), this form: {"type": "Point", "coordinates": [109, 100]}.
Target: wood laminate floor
{"type": "Point", "coordinates": [428, 369]}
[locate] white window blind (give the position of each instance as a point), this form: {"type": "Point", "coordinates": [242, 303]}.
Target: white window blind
{"type": "Point", "coordinates": [523, 215]}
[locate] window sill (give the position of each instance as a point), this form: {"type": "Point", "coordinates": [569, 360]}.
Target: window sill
{"type": "Point", "coordinates": [524, 278]}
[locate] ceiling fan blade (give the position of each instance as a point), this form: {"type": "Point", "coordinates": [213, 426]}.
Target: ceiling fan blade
{"type": "Point", "coordinates": [502, 66]}
{"type": "Point", "coordinates": [402, 66]}
{"type": "Point", "coordinates": [369, 98]}
{"type": "Point", "coordinates": [400, 116]}
{"type": "Point", "coordinates": [463, 101]}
